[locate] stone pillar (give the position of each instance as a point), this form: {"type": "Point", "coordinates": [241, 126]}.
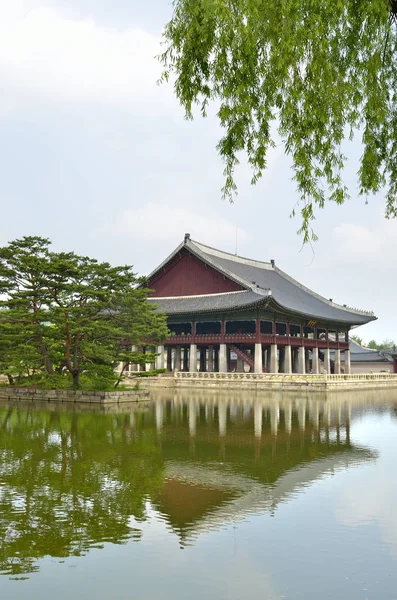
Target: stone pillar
{"type": "Point", "coordinates": [177, 359]}
{"type": "Point", "coordinates": [315, 365]}
{"type": "Point", "coordinates": [294, 360]}
{"type": "Point", "coordinates": [258, 358]}
{"type": "Point", "coordinates": [203, 360]}
{"type": "Point", "coordinates": [160, 358]}
{"type": "Point", "coordinates": [133, 366]}
{"type": "Point", "coordinates": [347, 362]}
{"type": "Point", "coordinates": [193, 358]}
{"type": "Point", "coordinates": [281, 360]}
{"type": "Point", "coordinates": [301, 360]}
{"type": "Point", "coordinates": [186, 358]}
{"type": "Point", "coordinates": [327, 361]}
{"type": "Point", "coordinates": [222, 358]}
{"type": "Point", "coordinates": [240, 365]}
{"type": "Point", "coordinates": [152, 365]}
{"type": "Point", "coordinates": [273, 359]}
{"type": "Point", "coordinates": [307, 361]}
{"type": "Point", "coordinates": [169, 359]}
{"type": "Point", "coordinates": [268, 365]}
{"type": "Point", "coordinates": [146, 366]}
{"type": "Point", "coordinates": [211, 359]}
{"type": "Point", "coordinates": [337, 362]}
{"type": "Point", "coordinates": [287, 360]}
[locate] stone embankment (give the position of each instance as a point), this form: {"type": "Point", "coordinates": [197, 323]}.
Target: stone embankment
{"type": "Point", "coordinates": [269, 381]}
{"type": "Point", "coordinates": [79, 397]}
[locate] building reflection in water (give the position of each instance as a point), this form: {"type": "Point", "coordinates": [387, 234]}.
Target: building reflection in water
{"type": "Point", "coordinates": [234, 455]}
{"type": "Point", "coordinates": [76, 478]}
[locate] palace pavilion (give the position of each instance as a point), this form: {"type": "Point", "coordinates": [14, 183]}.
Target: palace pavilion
{"type": "Point", "coordinates": [228, 313]}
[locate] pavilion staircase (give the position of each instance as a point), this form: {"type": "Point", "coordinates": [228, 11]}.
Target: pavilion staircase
{"type": "Point", "coordinates": [247, 358]}
{"type": "Point", "coordinates": [322, 358]}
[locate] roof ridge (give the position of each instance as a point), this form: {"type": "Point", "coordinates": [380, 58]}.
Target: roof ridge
{"type": "Point", "coordinates": [201, 295]}
{"type": "Point", "coordinates": [234, 257]}
{"type": "Point", "coordinates": [269, 266]}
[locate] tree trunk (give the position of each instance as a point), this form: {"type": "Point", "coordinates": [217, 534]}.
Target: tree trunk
{"type": "Point", "coordinates": [76, 378]}
{"type": "Point", "coordinates": [120, 377]}
{"type": "Point", "coordinates": [10, 379]}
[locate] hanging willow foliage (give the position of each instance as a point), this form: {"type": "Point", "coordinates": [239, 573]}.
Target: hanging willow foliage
{"type": "Point", "coordinates": [320, 70]}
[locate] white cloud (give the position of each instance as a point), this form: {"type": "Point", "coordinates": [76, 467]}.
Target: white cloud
{"type": "Point", "coordinates": [163, 223]}
{"type": "Point", "coordinates": [46, 56]}
{"type": "Point", "coordinates": [373, 246]}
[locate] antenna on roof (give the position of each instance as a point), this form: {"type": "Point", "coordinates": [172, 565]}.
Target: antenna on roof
{"type": "Point", "coordinates": [235, 252]}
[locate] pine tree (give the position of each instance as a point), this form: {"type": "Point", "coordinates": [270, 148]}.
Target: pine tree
{"type": "Point", "coordinates": [64, 313]}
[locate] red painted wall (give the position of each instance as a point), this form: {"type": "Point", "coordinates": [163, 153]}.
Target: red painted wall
{"type": "Point", "coordinates": [395, 365]}
{"type": "Point", "coordinates": [186, 275]}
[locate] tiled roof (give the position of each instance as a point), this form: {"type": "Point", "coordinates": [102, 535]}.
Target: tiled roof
{"type": "Point", "coordinates": [361, 354]}
{"type": "Point", "coordinates": [207, 303]}
{"type": "Point", "coordinates": [259, 279]}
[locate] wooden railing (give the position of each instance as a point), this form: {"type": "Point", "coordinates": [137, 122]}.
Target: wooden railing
{"type": "Point", "coordinates": [252, 338]}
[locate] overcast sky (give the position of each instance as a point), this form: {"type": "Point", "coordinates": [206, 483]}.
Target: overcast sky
{"type": "Point", "coordinates": [97, 157]}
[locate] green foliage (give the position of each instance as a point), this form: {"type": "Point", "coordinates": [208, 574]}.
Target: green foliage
{"type": "Point", "coordinates": [315, 71]}
{"type": "Point", "coordinates": [386, 344]}
{"type": "Point", "coordinates": [357, 339]}
{"type": "Point", "coordinates": [85, 477]}
{"type": "Point", "coordinates": [152, 373]}
{"type": "Point", "coordinates": [373, 345]}
{"type": "Point", "coordinates": [68, 316]}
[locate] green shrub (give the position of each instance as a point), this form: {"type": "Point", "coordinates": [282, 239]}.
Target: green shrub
{"type": "Point", "coordinates": [150, 373]}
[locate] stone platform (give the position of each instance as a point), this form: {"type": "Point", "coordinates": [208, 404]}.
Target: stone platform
{"type": "Point", "coordinates": [269, 381]}
{"type": "Point", "coordinates": [79, 397]}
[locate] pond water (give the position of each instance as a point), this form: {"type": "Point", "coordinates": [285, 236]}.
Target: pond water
{"type": "Point", "coordinates": [197, 495]}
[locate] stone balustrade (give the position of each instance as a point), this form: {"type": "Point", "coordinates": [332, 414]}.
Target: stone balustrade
{"type": "Point", "coordinates": [291, 380]}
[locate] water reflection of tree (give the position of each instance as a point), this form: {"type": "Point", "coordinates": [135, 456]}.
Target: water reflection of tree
{"type": "Point", "coordinates": [70, 482]}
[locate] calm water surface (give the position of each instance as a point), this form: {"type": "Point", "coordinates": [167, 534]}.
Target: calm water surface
{"type": "Point", "coordinates": [201, 496]}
